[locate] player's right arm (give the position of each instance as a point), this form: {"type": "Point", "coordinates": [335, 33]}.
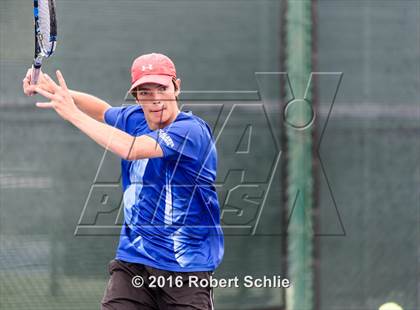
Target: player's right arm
{"type": "Point", "coordinates": [88, 104]}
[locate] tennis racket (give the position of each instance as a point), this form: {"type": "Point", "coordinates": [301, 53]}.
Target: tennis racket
{"type": "Point", "coordinates": [45, 34]}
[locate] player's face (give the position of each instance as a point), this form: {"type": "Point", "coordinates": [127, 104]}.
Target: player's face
{"type": "Point", "coordinates": [158, 103]}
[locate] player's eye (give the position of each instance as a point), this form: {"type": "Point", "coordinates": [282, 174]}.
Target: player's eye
{"type": "Point", "coordinates": [143, 92]}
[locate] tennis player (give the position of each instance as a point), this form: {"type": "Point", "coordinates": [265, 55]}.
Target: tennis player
{"type": "Point", "coordinates": [171, 238]}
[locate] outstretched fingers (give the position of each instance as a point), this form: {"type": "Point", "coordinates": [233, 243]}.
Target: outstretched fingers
{"type": "Point", "coordinates": [61, 80]}
{"type": "Point", "coordinates": [51, 83]}
{"type": "Point", "coordinates": [45, 105]}
{"type": "Point", "coordinates": [45, 93]}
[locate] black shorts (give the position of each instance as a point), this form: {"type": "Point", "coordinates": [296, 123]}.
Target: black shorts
{"type": "Point", "coordinates": [160, 290]}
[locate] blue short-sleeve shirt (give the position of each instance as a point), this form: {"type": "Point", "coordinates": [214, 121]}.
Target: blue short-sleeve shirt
{"type": "Point", "coordinates": [171, 210]}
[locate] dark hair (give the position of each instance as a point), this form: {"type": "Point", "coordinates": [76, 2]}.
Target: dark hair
{"type": "Point", "coordinates": [176, 87]}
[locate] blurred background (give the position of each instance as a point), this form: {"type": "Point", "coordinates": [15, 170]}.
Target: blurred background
{"type": "Point", "coordinates": [334, 207]}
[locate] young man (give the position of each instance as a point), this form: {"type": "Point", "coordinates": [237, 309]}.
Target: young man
{"type": "Point", "coordinates": [171, 237]}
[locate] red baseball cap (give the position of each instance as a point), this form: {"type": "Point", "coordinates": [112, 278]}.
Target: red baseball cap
{"type": "Point", "coordinates": [152, 68]}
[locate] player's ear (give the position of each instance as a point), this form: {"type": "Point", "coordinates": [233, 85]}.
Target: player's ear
{"type": "Point", "coordinates": [134, 93]}
{"type": "Point", "coordinates": [177, 83]}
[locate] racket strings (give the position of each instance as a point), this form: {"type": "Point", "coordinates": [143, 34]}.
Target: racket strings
{"type": "Point", "coordinates": [46, 26]}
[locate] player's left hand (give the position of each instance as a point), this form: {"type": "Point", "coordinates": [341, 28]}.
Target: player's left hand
{"type": "Point", "coordinates": [61, 99]}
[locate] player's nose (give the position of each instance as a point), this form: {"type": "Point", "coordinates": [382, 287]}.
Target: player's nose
{"type": "Point", "coordinates": [155, 96]}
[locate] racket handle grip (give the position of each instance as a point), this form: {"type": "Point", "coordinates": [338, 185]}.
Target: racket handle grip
{"type": "Point", "coordinates": [35, 74]}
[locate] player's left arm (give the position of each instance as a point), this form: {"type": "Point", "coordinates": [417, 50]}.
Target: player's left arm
{"type": "Point", "coordinates": [117, 141]}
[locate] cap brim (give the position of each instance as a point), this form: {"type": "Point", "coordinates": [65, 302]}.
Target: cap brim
{"type": "Point", "coordinates": [164, 80]}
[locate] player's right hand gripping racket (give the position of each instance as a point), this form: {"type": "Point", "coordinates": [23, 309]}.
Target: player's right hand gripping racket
{"type": "Point", "coordinates": [45, 34]}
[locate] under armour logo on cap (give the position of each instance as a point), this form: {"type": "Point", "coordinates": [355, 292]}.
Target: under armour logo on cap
{"type": "Point", "coordinates": [144, 67]}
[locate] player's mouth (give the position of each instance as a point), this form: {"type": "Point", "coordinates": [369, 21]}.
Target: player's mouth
{"type": "Point", "coordinates": [158, 111]}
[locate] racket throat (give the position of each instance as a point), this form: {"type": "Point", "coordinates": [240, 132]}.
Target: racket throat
{"type": "Point", "coordinates": [38, 62]}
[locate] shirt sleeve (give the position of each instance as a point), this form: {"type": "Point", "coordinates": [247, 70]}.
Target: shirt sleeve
{"type": "Point", "coordinates": [114, 116]}
{"type": "Point", "coordinates": [183, 138]}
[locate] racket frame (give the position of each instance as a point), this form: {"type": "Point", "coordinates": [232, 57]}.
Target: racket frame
{"type": "Point", "coordinates": [40, 51]}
